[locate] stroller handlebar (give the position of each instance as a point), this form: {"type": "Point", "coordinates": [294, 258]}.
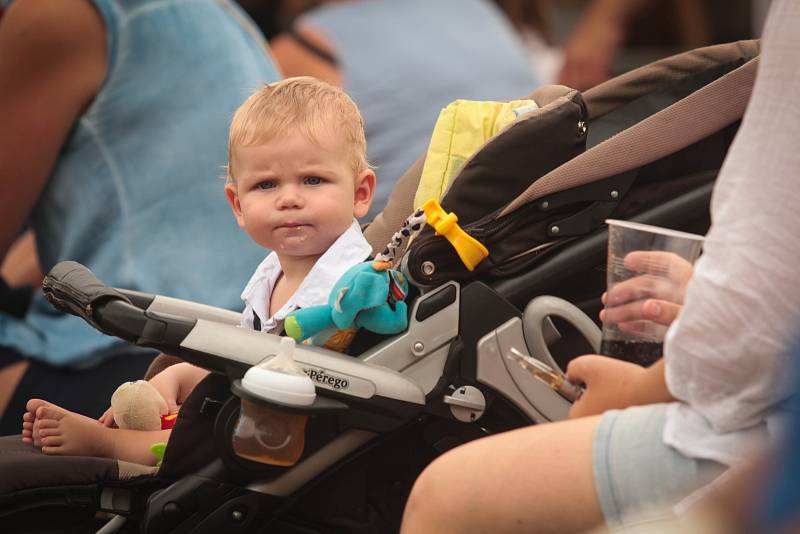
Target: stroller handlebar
{"type": "Point", "coordinates": [207, 337]}
{"type": "Point", "coordinates": [73, 288]}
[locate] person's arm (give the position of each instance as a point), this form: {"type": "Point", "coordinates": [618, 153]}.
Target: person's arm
{"type": "Point", "coordinates": [176, 382]}
{"type": "Point", "coordinates": [615, 384]}
{"type": "Point", "coordinates": [52, 63]}
{"type": "Point", "coordinates": [20, 267]}
{"type": "Point", "coordinates": [592, 45]}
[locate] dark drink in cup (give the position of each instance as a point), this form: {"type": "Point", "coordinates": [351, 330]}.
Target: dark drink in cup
{"type": "Point", "coordinates": [643, 353]}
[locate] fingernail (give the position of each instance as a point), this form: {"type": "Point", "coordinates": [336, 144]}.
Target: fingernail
{"type": "Point", "coordinates": [655, 309]}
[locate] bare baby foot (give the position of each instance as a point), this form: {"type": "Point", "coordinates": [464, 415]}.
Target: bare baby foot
{"type": "Point", "coordinates": [29, 430]}
{"type": "Point", "coordinates": [68, 433]}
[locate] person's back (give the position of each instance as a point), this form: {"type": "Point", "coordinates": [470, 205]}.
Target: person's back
{"type": "Point", "coordinates": [135, 193]}
{"type": "Point", "coordinates": [115, 117]}
{"type": "Point", "coordinates": [404, 61]}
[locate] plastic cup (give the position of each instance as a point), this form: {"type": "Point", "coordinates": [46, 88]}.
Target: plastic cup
{"type": "Point", "coordinates": [644, 262]}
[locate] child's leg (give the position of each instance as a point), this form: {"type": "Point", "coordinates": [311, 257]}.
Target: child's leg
{"type": "Point", "coordinates": [62, 432]}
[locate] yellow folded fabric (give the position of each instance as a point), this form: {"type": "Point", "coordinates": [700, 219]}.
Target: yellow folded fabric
{"type": "Point", "coordinates": [461, 129]}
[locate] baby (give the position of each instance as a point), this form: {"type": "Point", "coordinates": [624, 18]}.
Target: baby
{"type": "Point", "coordinates": [297, 178]}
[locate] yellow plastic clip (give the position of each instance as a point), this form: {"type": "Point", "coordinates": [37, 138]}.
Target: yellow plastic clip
{"type": "Point", "coordinates": [469, 249]}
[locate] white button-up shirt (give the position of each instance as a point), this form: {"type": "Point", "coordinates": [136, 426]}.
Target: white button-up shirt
{"type": "Point", "coordinates": [351, 248]}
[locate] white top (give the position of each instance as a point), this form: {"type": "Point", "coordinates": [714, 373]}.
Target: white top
{"type": "Point", "coordinates": [351, 248]}
{"type": "Point", "coordinates": [726, 355]}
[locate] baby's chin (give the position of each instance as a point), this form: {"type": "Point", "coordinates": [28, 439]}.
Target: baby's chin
{"type": "Point", "coordinates": [301, 245]}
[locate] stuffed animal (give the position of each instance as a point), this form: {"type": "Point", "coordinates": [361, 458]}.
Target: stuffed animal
{"type": "Point", "coordinates": [371, 295]}
{"type": "Point", "coordinates": [139, 406]}
{"type": "Point", "coordinates": [364, 297]}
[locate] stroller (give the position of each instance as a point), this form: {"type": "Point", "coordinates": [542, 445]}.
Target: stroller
{"type": "Point", "coordinates": [645, 146]}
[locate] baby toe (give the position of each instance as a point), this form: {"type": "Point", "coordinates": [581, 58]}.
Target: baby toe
{"type": "Point", "coordinates": [48, 411]}
{"type": "Point", "coordinates": [51, 441]}
{"type": "Point", "coordinates": [34, 404]}
{"type": "Point", "coordinates": [45, 423]}
{"type": "Point", "coordinates": [48, 432]}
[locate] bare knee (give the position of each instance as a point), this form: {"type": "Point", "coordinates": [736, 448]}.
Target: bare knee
{"type": "Point", "coordinates": [428, 506]}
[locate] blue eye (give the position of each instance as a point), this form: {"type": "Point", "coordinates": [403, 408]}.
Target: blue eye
{"type": "Point", "coordinates": [266, 185]}
{"type": "Point", "coordinates": [312, 180]}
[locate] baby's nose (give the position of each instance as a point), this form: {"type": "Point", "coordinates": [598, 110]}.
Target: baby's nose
{"type": "Point", "coordinates": [290, 197]}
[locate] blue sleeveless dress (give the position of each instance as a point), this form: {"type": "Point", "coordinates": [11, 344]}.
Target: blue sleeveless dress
{"type": "Point", "coordinates": [137, 194]}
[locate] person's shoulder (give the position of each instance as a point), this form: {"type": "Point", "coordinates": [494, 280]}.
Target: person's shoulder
{"type": "Point", "coordinates": [51, 51]}
{"type": "Point", "coordinates": [56, 34]}
{"type": "Point", "coordinates": [70, 24]}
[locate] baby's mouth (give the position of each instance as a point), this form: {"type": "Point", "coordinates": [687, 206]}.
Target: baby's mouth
{"type": "Point", "coordinates": [292, 225]}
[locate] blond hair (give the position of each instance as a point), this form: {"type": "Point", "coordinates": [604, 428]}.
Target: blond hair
{"type": "Point", "coordinates": [303, 103]}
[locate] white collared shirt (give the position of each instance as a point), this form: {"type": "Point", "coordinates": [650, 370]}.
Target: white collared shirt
{"type": "Point", "coordinates": [351, 248]}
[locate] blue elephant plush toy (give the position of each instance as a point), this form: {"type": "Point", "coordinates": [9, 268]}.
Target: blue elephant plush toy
{"type": "Point", "coordinates": [364, 297]}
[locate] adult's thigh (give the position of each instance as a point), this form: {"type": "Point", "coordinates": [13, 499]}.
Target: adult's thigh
{"type": "Point", "coordinates": [534, 479]}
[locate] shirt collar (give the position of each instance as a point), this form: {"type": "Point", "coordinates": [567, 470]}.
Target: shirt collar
{"type": "Point", "coordinates": [349, 249]}
{"type": "Point", "coordinates": [258, 289]}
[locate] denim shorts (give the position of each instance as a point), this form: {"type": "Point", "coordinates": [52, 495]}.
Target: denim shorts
{"type": "Point", "coordinates": [637, 477]}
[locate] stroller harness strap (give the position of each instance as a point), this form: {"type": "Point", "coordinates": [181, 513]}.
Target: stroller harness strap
{"type": "Point", "coordinates": [718, 104]}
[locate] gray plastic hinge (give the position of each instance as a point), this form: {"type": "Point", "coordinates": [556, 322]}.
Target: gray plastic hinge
{"type": "Point", "coordinates": [467, 403]}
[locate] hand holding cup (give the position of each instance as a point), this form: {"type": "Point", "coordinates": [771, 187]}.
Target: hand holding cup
{"type": "Point", "coordinates": [656, 294]}
{"type": "Point", "coordinates": [647, 274]}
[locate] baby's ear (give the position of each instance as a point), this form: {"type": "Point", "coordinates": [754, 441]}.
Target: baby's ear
{"type": "Point", "coordinates": [233, 200]}
{"type": "Point", "coordinates": [364, 190]}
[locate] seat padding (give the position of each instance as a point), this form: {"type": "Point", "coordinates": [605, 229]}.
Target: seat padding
{"type": "Point", "coordinates": [24, 467]}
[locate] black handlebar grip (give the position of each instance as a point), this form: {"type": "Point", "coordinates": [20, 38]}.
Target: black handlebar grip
{"type": "Point", "coordinates": [71, 287]}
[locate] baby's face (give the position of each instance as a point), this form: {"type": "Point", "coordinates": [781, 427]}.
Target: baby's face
{"type": "Point", "coordinates": [294, 196]}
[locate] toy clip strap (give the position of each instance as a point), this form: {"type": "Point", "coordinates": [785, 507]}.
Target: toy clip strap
{"type": "Point", "coordinates": [470, 250]}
